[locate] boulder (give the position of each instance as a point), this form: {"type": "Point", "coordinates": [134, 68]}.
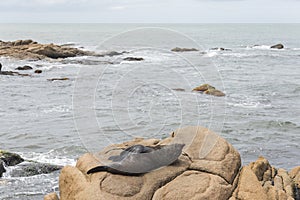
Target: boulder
{"type": "Point", "coordinates": [2, 169]}
{"type": "Point", "coordinates": [51, 196]}
{"type": "Point", "coordinates": [208, 167]}
{"type": "Point", "coordinates": [208, 89]}
{"type": "Point", "coordinates": [26, 67]}
{"type": "Point", "coordinates": [177, 49]}
{"type": "Point", "coordinates": [133, 59]}
{"type": "Point", "coordinates": [38, 71]}
{"type": "Point", "coordinates": [10, 159]}
{"type": "Point", "coordinates": [259, 180]}
{"type": "Point", "coordinates": [277, 46]}
{"type": "Point", "coordinates": [27, 168]}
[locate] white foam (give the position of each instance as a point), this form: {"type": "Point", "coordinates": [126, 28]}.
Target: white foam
{"type": "Point", "coordinates": [263, 47]}
{"type": "Point", "coordinates": [210, 54]}
{"type": "Point", "coordinates": [49, 157]}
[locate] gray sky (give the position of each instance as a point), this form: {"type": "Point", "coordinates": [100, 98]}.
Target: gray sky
{"type": "Point", "coordinates": [150, 11]}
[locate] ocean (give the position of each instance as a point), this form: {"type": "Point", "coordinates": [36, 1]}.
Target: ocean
{"type": "Point", "coordinates": [109, 100]}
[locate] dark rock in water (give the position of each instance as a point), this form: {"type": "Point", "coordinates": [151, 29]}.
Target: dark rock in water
{"type": "Point", "coordinates": [38, 71]}
{"type": "Point", "coordinates": [2, 169]}
{"type": "Point", "coordinates": [277, 46]}
{"type": "Point", "coordinates": [208, 89]}
{"type": "Point", "coordinates": [10, 159]}
{"type": "Point", "coordinates": [133, 59]}
{"type": "Point", "coordinates": [220, 49]}
{"type": "Point", "coordinates": [112, 53]}
{"type": "Point", "coordinates": [139, 159]}
{"type": "Point", "coordinates": [179, 89]}
{"type": "Point", "coordinates": [58, 79]}
{"type": "Point", "coordinates": [177, 49]}
{"type": "Point", "coordinates": [26, 169]}
{"type": "Point", "coordinates": [26, 67]}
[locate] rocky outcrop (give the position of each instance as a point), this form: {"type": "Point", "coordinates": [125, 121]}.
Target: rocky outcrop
{"type": "Point", "coordinates": [23, 168]}
{"type": "Point", "coordinates": [10, 159]}
{"type": "Point", "coordinates": [259, 180]}
{"type": "Point", "coordinates": [133, 59]}
{"type": "Point", "coordinates": [177, 49]}
{"type": "Point", "coordinates": [208, 89]}
{"type": "Point", "coordinates": [28, 49]}
{"type": "Point", "coordinates": [277, 46]}
{"type": "Point", "coordinates": [38, 71]}
{"type": "Point", "coordinates": [198, 172]}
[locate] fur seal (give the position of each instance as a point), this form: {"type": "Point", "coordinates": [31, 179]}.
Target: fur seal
{"type": "Point", "coordinates": [139, 159]}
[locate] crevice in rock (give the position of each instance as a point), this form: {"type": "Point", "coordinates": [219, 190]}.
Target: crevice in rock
{"type": "Point", "coordinates": [296, 192]}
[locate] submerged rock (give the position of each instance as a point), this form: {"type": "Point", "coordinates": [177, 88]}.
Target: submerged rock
{"type": "Point", "coordinates": [133, 59]}
{"type": "Point", "coordinates": [38, 71]}
{"type": "Point", "coordinates": [26, 67]}
{"type": "Point", "coordinates": [58, 79]}
{"type": "Point", "coordinates": [10, 159]}
{"type": "Point", "coordinates": [2, 169]}
{"type": "Point", "coordinates": [277, 46]}
{"type": "Point", "coordinates": [208, 89]}
{"type": "Point", "coordinates": [26, 169]}
{"type": "Point", "coordinates": [177, 49]}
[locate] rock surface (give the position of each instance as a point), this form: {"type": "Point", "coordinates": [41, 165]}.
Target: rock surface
{"type": "Point", "coordinates": [198, 173]}
{"type": "Point", "coordinates": [28, 49]}
{"type": "Point", "coordinates": [208, 89]}
{"type": "Point", "coordinates": [209, 168]}
{"type": "Point", "coordinates": [177, 49]}
{"type": "Point", "coordinates": [26, 67]}
{"type": "Point", "coordinates": [259, 180]}
{"type": "Point", "coordinates": [277, 46]}
{"type": "Point", "coordinates": [133, 59]}
{"type": "Point", "coordinates": [23, 168]}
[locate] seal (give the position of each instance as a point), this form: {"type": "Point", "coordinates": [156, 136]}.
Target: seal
{"type": "Point", "coordinates": [139, 159]}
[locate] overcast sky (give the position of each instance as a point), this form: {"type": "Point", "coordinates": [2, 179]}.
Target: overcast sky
{"type": "Point", "coordinates": [150, 11]}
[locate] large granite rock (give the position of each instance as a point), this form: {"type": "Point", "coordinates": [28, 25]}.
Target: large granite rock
{"type": "Point", "coordinates": [28, 49]}
{"type": "Point", "coordinates": [259, 180]}
{"type": "Point", "coordinates": [197, 173]}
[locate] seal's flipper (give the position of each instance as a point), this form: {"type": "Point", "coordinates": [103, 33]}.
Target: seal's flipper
{"type": "Point", "coordinates": [97, 169]}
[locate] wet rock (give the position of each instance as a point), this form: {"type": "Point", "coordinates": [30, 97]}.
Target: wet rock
{"type": "Point", "coordinates": [2, 169]}
{"type": "Point", "coordinates": [133, 59]}
{"type": "Point", "coordinates": [179, 89]}
{"type": "Point", "coordinates": [58, 79]}
{"type": "Point", "coordinates": [208, 89]}
{"type": "Point", "coordinates": [26, 169]}
{"type": "Point", "coordinates": [277, 46]}
{"type": "Point", "coordinates": [177, 49]}
{"type": "Point", "coordinates": [112, 53]}
{"type": "Point", "coordinates": [38, 71]}
{"type": "Point", "coordinates": [10, 159]}
{"type": "Point", "coordinates": [220, 49]}
{"type": "Point", "coordinates": [51, 196]}
{"type": "Point", "coordinates": [196, 174]}
{"type": "Point", "coordinates": [28, 49]}
{"type": "Point", "coordinates": [26, 67]}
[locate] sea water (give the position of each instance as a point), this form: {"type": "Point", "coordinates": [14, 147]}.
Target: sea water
{"type": "Point", "coordinates": [57, 121]}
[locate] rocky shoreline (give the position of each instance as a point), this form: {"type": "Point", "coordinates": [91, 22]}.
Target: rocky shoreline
{"type": "Point", "coordinates": [23, 167]}
{"type": "Point", "coordinates": [216, 174]}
